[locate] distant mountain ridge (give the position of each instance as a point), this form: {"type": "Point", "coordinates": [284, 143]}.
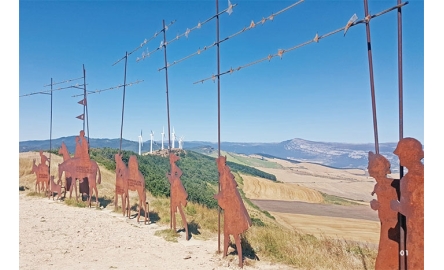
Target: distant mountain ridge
{"type": "Point", "coordinates": [338, 155]}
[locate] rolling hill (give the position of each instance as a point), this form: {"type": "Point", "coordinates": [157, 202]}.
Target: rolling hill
{"type": "Point", "coordinates": [337, 155]}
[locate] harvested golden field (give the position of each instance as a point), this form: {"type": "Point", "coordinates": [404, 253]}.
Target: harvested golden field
{"type": "Point", "coordinates": [350, 229]}
{"type": "Point", "coordinates": [259, 188]}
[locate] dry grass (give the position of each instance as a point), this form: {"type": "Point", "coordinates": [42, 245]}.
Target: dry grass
{"type": "Point", "coordinates": [168, 234]}
{"type": "Point", "coordinates": [307, 251]}
{"type": "Point", "coordinates": [202, 222]}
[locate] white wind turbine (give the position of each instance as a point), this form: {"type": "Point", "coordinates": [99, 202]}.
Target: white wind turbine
{"type": "Point", "coordinates": [152, 137]}
{"type": "Point", "coordinates": [181, 142]}
{"type": "Point", "coordinates": [163, 135]}
{"type": "Point", "coordinates": [140, 143]}
{"type": "Point", "coordinates": [174, 137]}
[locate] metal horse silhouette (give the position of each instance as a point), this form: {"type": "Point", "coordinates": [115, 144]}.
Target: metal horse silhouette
{"type": "Point", "coordinates": [42, 173]}
{"type": "Point", "coordinates": [411, 203]}
{"type": "Point", "coordinates": [81, 167]}
{"type": "Point", "coordinates": [130, 178]}
{"type": "Point", "coordinates": [178, 193]}
{"type": "Point", "coordinates": [388, 251]}
{"type": "Point", "coordinates": [236, 218]}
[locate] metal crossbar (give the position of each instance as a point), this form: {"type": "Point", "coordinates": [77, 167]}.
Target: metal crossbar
{"type": "Point", "coordinates": [110, 88]}
{"type": "Point", "coordinates": [316, 39]}
{"type": "Point", "coordinates": [48, 92]}
{"type": "Point", "coordinates": [251, 26]}
{"type": "Point", "coordinates": [146, 41]}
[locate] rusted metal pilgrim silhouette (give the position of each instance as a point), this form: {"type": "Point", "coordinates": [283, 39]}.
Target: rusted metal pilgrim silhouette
{"type": "Point", "coordinates": [388, 252]}
{"type": "Point", "coordinates": [411, 203]}
{"type": "Point", "coordinates": [132, 179]}
{"type": "Point", "coordinates": [236, 218]}
{"type": "Point", "coordinates": [42, 173]}
{"type": "Point", "coordinates": [178, 193]}
{"type": "Point", "coordinates": [82, 152]}
{"type": "Point", "coordinates": [81, 167]}
{"type": "Point", "coordinates": [121, 184]}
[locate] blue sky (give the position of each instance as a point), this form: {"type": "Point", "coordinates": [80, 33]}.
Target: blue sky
{"type": "Point", "coordinates": [318, 92]}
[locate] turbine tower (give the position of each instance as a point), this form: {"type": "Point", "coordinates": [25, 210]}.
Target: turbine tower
{"type": "Point", "coordinates": [174, 137]}
{"type": "Point", "coordinates": [152, 137]}
{"type": "Point", "coordinates": [181, 142]}
{"type": "Point", "coordinates": [140, 143]}
{"type": "Point", "coordinates": [163, 135]}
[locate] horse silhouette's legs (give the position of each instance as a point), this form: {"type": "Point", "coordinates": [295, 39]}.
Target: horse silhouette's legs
{"type": "Point", "coordinates": [174, 217]}
{"type": "Point", "coordinates": [97, 196]}
{"type": "Point", "coordinates": [89, 197]}
{"type": "Point", "coordinates": [184, 221]}
{"type": "Point", "coordinates": [226, 240]}
{"type": "Point", "coordinates": [127, 205]}
{"type": "Point", "coordinates": [140, 209]}
{"type": "Point", "coordinates": [123, 198]}
{"type": "Point", "coordinates": [123, 203]}
{"type": "Point", "coordinates": [70, 190]}
{"type": "Point", "coordinates": [147, 212]}
{"type": "Point", "coordinates": [74, 186]}
{"type": "Point", "coordinates": [239, 249]}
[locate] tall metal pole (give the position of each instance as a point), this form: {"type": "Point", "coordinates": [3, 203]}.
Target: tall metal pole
{"type": "Point", "coordinates": [218, 115]}
{"type": "Point", "coordinates": [85, 106]}
{"type": "Point", "coordinates": [50, 133]}
{"type": "Point", "coordinates": [372, 85]}
{"type": "Point", "coordinates": [401, 218]}
{"type": "Point", "coordinates": [123, 102]}
{"type": "Point", "coordinates": [168, 107]}
{"type": "Point", "coordinates": [84, 97]}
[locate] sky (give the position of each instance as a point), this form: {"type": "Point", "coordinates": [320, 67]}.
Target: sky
{"type": "Point", "coordinates": [318, 92]}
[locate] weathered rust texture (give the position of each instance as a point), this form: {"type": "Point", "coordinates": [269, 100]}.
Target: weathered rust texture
{"type": "Point", "coordinates": [236, 218]}
{"type": "Point", "coordinates": [68, 177]}
{"type": "Point", "coordinates": [388, 251]}
{"type": "Point", "coordinates": [132, 179]}
{"type": "Point", "coordinates": [42, 173]}
{"type": "Point", "coordinates": [55, 187]}
{"type": "Point", "coordinates": [81, 167]}
{"type": "Point", "coordinates": [121, 184]}
{"type": "Point", "coordinates": [411, 203]}
{"type": "Point", "coordinates": [178, 193]}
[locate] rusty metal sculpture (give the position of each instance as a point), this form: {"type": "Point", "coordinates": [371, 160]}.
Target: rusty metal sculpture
{"type": "Point", "coordinates": [378, 168]}
{"type": "Point", "coordinates": [42, 173]}
{"type": "Point", "coordinates": [178, 193]}
{"type": "Point", "coordinates": [121, 184]}
{"type": "Point", "coordinates": [132, 180]}
{"type": "Point", "coordinates": [55, 188]}
{"type": "Point", "coordinates": [81, 167]}
{"type": "Point", "coordinates": [68, 177]}
{"type": "Point", "coordinates": [411, 203]}
{"type": "Point", "coordinates": [236, 217]}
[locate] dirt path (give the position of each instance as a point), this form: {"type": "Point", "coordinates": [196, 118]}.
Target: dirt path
{"type": "Point", "coordinates": [53, 235]}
